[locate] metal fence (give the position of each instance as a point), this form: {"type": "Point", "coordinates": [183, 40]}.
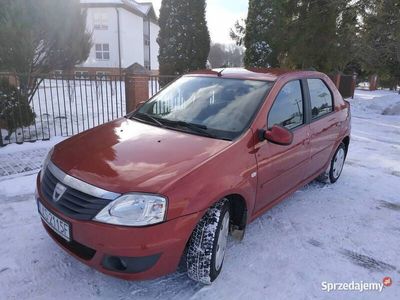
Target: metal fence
{"type": "Point", "coordinates": [61, 105]}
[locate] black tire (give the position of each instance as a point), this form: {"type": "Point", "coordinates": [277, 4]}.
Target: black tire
{"type": "Point", "coordinates": [202, 247]}
{"type": "Point", "coordinates": [331, 175]}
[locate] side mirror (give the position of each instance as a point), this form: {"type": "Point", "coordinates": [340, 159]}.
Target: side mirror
{"type": "Point", "coordinates": [277, 134]}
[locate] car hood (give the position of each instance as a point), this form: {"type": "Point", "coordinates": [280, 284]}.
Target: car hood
{"type": "Point", "coordinates": [129, 156]}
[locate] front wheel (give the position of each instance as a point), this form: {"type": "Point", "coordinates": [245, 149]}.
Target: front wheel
{"type": "Point", "coordinates": [332, 174]}
{"type": "Point", "coordinates": [207, 245]}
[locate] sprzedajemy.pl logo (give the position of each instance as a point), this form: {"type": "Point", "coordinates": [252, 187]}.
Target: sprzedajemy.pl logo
{"type": "Point", "coordinates": [359, 286]}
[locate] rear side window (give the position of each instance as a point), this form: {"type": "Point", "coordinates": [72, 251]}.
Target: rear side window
{"type": "Point", "coordinates": [321, 98]}
{"type": "Point", "coordinates": [287, 109]}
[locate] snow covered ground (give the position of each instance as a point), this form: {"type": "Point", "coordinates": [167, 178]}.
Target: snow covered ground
{"type": "Point", "coordinates": [345, 232]}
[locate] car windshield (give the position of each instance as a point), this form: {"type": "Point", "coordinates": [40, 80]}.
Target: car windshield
{"type": "Point", "coordinates": [214, 107]}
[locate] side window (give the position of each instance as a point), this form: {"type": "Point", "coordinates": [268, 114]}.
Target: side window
{"type": "Point", "coordinates": [287, 109]}
{"type": "Point", "coordinates": [321, 98]}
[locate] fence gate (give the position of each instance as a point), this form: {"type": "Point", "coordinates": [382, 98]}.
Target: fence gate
{"type": "Point", "coordinates": [346, 84]}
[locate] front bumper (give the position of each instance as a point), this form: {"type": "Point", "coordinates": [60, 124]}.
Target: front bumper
{"type": "Point", "coordinates": [126, 252]}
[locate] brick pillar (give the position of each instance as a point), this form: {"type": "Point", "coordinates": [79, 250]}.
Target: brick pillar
{"type": "Point", "coordinates": [136, 90]}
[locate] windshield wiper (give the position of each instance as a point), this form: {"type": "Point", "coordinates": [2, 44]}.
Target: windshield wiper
{"type": "Point", "coordinates": [148, 117]}
{"type": "Point", "coordinates": [202, 129]}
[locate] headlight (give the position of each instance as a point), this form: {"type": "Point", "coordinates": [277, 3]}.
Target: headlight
{"type": "Point", "coordinates": [46, 163]}
{"type": "Point", "coordinates": [134, 210]}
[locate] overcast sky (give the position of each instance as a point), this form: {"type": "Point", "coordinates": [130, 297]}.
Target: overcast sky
{"type": "Point", "coordinates": [221, 16]}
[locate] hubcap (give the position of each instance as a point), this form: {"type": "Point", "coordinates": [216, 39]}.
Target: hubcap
{"type": "Point", "coordinates": [222, 241]}
{"type": "Point", "coordinates": [338, 163]}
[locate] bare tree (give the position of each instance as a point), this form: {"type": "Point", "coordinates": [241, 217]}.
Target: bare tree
{"type": "Point", "coordinates": [40, 36]}
{"type": "Point", "coordinates": [238, 32]}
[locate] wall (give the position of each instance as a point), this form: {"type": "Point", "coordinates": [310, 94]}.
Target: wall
{"type": "Point", "coordinates": [109, 36]}
{"type": "Point", "coordinates": [131, 34]}
{"type": "Point", "coordinates": [131, 38]}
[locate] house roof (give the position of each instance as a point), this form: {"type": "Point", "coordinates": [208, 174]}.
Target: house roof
{"type": "Point", "coordinates": [142, 9]}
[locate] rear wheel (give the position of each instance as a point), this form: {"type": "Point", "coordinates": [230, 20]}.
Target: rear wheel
{"type": "Point", "coordinates": [332, 174]}
{"type": "Point", "coordinates": [207, 245]}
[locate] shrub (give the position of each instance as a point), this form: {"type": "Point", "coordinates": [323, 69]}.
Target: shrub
{"type": "Point", "coordinates": [15, 110]}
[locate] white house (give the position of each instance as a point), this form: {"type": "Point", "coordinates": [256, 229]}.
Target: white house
{"type": "Point", "coordinates": [124, 32]}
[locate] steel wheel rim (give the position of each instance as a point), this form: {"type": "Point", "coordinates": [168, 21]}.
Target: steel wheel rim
{"type": "Point", "coordinates": [222, 241]}
{"type": "Point", "coordinates": [338, 163]}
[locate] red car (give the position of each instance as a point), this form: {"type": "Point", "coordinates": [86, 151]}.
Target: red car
{"type": "Point", "coordinates": [203, 158]}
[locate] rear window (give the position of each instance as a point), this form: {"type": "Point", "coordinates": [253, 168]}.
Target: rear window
{"type": "Point", "coordinates": [321, 98]}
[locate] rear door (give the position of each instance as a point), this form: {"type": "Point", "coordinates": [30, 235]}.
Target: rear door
{"type": "Point", "coordinates": [281, 168]}
{"type": "Point", "coordinates": [324, 124]}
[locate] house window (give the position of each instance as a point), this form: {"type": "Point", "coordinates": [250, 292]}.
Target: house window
{"type": "Point", "coordinates": [146, 27]}
{"type": "Point", "coordinates": [146, 43]}
{"type": "Point", "coordinates": [100, 21]}
{"type": "Point", "coordinates": [147, 55]}
{"type": "Point", "coordinates": [100, 75]}
{"type": "Point", "coordinates": [58, 73]}
{"type": "Point", "coordinates": [102, 51]}
{"type": "Point", "coordinates": [81, 74]}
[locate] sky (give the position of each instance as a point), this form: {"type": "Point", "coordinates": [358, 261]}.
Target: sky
{"type": "Point", "coordinates": [221, 16]}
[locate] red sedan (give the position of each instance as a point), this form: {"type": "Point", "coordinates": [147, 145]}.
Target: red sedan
{"type": "Point", "coordinates": [200, 160]}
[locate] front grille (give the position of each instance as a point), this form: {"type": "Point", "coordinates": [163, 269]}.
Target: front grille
{"type": "Point", "coordinates": [73, 203]}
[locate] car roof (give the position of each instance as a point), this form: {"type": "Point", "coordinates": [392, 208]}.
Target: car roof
{"type": "Point", "coordinates": [266, 74]}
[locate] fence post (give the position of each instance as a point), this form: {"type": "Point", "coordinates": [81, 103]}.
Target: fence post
{"type": "Point", "coordinates": [136, 90]}
{"type": "Point", "coordinates": [353, 85]}
{"type": "Point", "coordinates": [136, 86]}
{"type": "Point", "coordinates": [1, 137]}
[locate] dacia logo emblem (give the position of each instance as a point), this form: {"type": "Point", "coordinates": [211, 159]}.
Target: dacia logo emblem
{"type": "Point", "coordinates": [59, 191]}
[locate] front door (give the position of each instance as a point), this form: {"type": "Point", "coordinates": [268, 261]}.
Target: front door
{"type": "Point", "coordinates": [281, 168]}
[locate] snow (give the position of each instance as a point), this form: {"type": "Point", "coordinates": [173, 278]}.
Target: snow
{"type": "Point", "coordinates": [24, 183]}
{"type": "Point", "coordinates": [27, 147]}
{"type": "Point", "coordinates": [349, 231]}
{"type": "Point", "coordinates": [26, 158]}
{"type": "Point", "coordinates": [141, 7]}
{"type": "Point", "coordinates": [392, 110]}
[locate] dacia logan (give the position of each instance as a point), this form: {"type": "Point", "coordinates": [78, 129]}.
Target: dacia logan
{"type": "Point", "coordinates": [200, 160]}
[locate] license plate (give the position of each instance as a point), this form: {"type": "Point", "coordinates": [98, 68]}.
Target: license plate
{"type": "Point", "coordinates": [59, 226]}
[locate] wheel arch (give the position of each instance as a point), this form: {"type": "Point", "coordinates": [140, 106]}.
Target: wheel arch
{"type": "Point", "coordinates": [239, 210]}
{"type": "Point", "coordinates": [346, 141]}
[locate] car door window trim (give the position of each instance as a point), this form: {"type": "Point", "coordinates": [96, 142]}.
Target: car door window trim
{"type": "Point", "coordinates": [309, 110]}
{"type": "Point", "coordinates": [300, 80]}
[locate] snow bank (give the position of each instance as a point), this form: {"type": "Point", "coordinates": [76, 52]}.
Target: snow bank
{"type": "Point", "coordinates": [393, 110]}
{"type": "Point", "coordinates": [21, 185]}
